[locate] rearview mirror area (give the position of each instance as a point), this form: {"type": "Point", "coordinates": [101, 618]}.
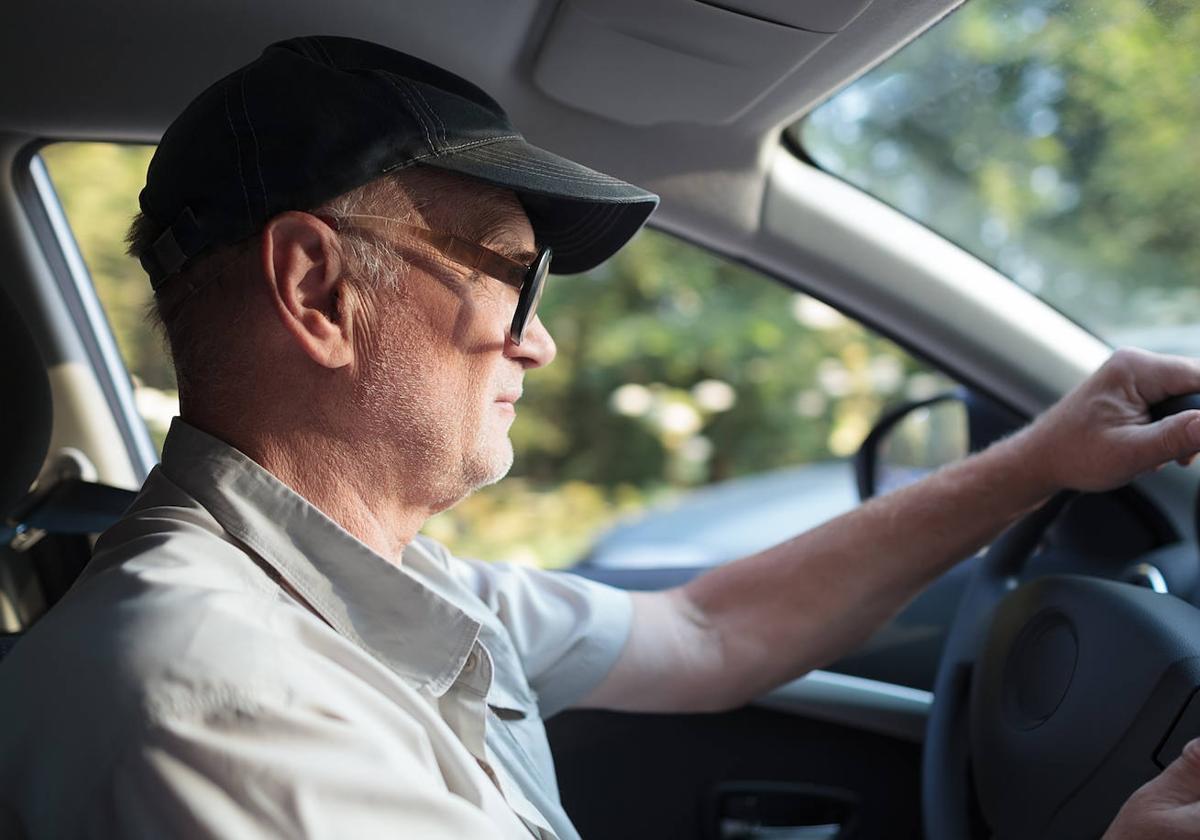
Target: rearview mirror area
{"type": "Point", "coordinates": [914, 439]}
{"type": "Point", "coordinates": [911, 441]}
{"type": "Point", "coordinates": [926, 438]}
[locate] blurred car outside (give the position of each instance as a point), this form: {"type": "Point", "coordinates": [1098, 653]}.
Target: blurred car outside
{"type": "Point", "coordinates": [725, 521]}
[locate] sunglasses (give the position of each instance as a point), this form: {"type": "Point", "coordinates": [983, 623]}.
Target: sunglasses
{"type": "Point", "coordinates": [528, 278]}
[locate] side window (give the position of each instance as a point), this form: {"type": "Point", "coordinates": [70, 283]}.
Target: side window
{"type": "Point", "coordinates": [97, 185]}
{"type": "Point", "coordinates": [697, 411]}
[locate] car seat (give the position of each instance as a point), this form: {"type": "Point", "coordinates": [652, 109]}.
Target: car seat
{"type": "Point", "coordinates": [62, 503]}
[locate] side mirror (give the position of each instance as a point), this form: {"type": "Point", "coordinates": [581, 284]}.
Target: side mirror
{"type": "Point", "coordinates": [911, 441]}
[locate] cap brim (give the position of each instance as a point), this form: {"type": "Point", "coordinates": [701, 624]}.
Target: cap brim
{"type": "Point", "coordinates": [585, 216]}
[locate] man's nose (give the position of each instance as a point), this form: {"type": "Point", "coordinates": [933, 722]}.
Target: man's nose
{"type": "Point", "coordinates": [537, 347]}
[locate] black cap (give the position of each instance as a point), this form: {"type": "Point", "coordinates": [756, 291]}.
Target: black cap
{"type": "Point", "coordinates": [315, 117]}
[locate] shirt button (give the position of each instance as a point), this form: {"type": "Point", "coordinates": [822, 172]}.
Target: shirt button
{"type": "Point", "coordinates": [472, 662]}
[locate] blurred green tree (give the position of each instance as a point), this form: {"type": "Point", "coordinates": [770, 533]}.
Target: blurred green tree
{"type": "Point", "coordinates": [98, 185]}
{"type": "Point", "coordinates": [1054, 139]}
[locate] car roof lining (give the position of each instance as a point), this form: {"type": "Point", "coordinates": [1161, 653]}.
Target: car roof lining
{"type": "Point", "coordinates": [710, 175]}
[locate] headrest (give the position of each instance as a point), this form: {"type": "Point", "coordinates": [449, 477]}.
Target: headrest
{"type": "Point", "coordinates": [25, 418]}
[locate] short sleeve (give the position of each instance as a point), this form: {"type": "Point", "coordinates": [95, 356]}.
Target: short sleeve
{"type": "Point", "coordinates": [568, 631]}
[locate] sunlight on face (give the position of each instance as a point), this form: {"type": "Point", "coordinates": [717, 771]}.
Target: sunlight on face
{"type": "Point", "coordinates": [440, 377]}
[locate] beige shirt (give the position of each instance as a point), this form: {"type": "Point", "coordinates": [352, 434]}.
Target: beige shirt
{"type": "Point", "coordinates": [234, 664]}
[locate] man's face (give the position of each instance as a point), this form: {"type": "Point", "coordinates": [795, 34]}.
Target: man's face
{"type": "Point", "coordinates": [440, 375]}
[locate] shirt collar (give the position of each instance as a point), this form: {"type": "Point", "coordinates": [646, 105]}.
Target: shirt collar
{"type": "Point", "coordinates": [377, 605]}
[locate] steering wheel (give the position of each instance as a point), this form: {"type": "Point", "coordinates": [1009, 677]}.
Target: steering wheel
{"type": "Point", "coordinates": [1055, 699]}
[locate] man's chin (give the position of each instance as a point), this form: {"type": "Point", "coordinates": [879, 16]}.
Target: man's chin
{"type": "Point", "coordinates": [490, 467]}
{"type": "Point", "coordinates": [448, 482]}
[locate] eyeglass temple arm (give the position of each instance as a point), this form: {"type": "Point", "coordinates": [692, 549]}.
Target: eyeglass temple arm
{"type": "Point", "coordinates": [461, 251]}
{"type": "Point", "coordinates": [474, 256]}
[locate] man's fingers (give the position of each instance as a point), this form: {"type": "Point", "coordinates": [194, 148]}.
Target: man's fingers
{"type": "Point", "coordinates": [1165, 807]}
{"type": "Point", "coordinates": [1180, 783]}
{"type": "Point", "coordinates": [1158, 377]}
{"type": "Point", "coordinates": [1174, 438]}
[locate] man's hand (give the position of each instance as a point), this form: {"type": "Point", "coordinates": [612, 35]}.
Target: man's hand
{"type": "Point", "coordinates": [1165, 808]}
{"type": "Point", "coordinates": [1100, 436]}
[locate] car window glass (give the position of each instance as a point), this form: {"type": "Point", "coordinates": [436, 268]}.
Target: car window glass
{"type": "Point", "coordinates": [1056, 141]}
{"type": "Point", "coordinates": [697, 410]}
{"type": "Point", "coordinates": [97, 185]}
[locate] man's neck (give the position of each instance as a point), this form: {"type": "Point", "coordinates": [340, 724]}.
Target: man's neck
{"type": "Point", "coordinates": [359, 491]}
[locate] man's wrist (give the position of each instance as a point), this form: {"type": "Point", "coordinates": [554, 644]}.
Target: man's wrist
{"type": "Point", "coordinates": [1023, 464]}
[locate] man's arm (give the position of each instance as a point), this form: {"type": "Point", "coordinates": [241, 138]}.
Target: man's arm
{"type": "Point", "coordinates": [740, 630]}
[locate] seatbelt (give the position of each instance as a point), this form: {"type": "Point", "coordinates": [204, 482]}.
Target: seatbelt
{"type": "Point", "coordinates": [64, 501]}
{"type": "Point", "coordinates": [72, 506]}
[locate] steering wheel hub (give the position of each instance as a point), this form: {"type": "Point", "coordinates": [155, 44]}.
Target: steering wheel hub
{"type": "Point", "coordinates": [1076, 687]}
{"type": "Point", "coordinates": [1039, 670]}
{"type": "Point", "coordinates": [1054, 701]}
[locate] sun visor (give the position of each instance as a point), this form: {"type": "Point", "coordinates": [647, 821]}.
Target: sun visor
{"type": "Point", "coordinates": [645, 62]}
{"type": "Point", "coordinates": [828, 16]}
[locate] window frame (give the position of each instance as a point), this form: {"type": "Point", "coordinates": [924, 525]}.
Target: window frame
{"type": "Point", "coordinates": [73, 283]}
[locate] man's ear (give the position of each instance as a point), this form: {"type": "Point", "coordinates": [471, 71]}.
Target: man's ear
{"type": "Point", "coordinates": [302, 265]}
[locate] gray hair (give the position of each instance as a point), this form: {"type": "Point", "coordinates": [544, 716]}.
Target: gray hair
{"type": "Point", "coordinates": [199, 313]}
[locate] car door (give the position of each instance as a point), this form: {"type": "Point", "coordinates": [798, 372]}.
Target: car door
{"type": "Point", "coordinates": [834, 754]}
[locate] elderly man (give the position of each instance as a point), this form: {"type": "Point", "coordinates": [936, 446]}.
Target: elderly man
{"type": "Point", "coordinates": [347, 247]}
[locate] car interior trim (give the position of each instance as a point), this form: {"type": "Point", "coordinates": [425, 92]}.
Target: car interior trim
{"type": "Point", "coordinates": [629, 60]}
{"type": "Point", "coordinates": [1029, 356]}
{"type": "Point", "coordinates": [904, 264]}
{"type": "Point", "coordinates": [82, 415]}
{"type": "Point", "coordinates": [101, 349]}
{"type": "Point", "coordinates": [870, 705]}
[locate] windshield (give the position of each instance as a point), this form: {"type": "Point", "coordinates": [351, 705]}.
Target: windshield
{"type": "Point", "coordinates": [1058, 141]}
